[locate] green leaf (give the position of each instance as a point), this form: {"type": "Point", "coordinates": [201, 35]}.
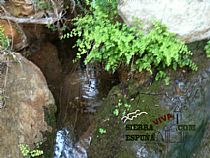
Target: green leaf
{"type": "Point", "coordinates": [102, 130]}
{"type": "Point", "coordinates": [124, 113]}
{"type": "Point", "coordinates": [116, 112]}
{"type": "Point", "coordinates": [127, 105]}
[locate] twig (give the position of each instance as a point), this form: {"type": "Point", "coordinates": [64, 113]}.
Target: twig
{"type": "Point", "coordinates": [55, 8]}
{"type": "Point", "coordinates": [73, 5]}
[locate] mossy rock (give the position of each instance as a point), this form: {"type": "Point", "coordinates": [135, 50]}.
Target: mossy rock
{"type": "Point", "coordinates": [112, 143]}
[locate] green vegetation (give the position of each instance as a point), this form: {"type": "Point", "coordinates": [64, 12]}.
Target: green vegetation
{"type": "Point", "coordinates": [114, 138]}
{"type": "Point", "coordinates": [103, 39]}
{"type": "Point", "coordinates": [207, 49]}
{"type": "Point", "coordinates": [120, 109]}
{"type": "Point", "coordinates": [102, 130]}
{"type": "Point", "coordinates": [4, 41]}
{"type": "Point", "coordinates": [28, 153]}
{"type": "Point", "coordinates": [41, 4]}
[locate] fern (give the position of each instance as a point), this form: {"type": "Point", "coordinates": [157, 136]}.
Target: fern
{"type": "Point", "coordinates": [114, 43]}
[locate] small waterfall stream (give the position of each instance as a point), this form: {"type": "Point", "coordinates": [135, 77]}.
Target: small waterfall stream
{"type": "Point", "coordinates": [64, 147]}
{"type": "Point", "coordinates": [82, 93]}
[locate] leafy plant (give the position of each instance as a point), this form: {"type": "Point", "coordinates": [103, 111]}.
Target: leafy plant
{"type": "Point", "coordinates": [167, 81]}
{"type": "Point", "coordinates": [102, 130]}
{"type": "Point", "coordinates": [4, 40]}
{"type": "Point", "coordinates": [116, 112]}
{"type": "Point", "coordinates": [207, 49]}
{"type": "Point", "coordinates": [103, 39]}
{"type": "Point", "coordinates": [128, 106]}
{"type": "Point", "coordinates": [119, 103]}
{"type": "Point", "coordinates": [120, 109]}
{"type": "Point", "coordinates": [28, 153]}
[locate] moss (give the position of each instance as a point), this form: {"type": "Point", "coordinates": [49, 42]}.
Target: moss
{"type": "Point", "coordinates": [114, 138]}
{"type": "Point", "coordinates": [48, 145]}
{"type": "Point", "coordinates": [112, 143]}
{"type": "Point", "coordinates": [49, 114]}
{"type": "Point", "coordinates": [125, 153]}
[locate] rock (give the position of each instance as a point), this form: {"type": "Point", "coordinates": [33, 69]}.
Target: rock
{"type": "Point", "coordinates": [188, 19]}
{"type": "Point", "coordinates": [33, 8]}
{"type": "Point", "coordinates": [187, 135]}
{"type": "Point", "coordinates": [45, 56]}
{"type": "Point", "coordinates": [2, 78]}
{"type": "Point", "coordinates": [180, 87]}
{"type": "Point", "coordinates": [21, 7]}
{"type": "Point", "coordinates": [15, 33]}
{"type": "Point", "coordinates": [29, 108]}
{"type": "Point", "coordinates": [205, 75]}
{"type": "Point", "coordinates": [36, 33]}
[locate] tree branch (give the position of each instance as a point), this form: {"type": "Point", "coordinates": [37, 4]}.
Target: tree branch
{"type": "Point", "coordinates": [47, 20]}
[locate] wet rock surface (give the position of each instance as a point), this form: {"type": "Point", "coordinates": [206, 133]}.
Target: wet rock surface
{"type": "Point", "coordinates": [65, 147]}
{"type": "Point", "coordinates": [29, 107]}
{"type": "Point", "coordinates": [187, 98]}
{"type": "Point", "coordinates": [193, 109]}
{"type": "Point", "coordinates": [81, 95]}
{"type": "Point", "coordinates": [45, 56]}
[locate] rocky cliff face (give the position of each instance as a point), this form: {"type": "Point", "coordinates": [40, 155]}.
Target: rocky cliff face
{"type": "Point", "coordinates": [29, 108]}
{"type": "Point", "coordinates": [188, 19]}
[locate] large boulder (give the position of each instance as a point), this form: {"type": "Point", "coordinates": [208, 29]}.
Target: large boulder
{"type": "Point", "coordinates": [45, 56]}
{"type": "Point", "coordinates": [28, 113]}
{"type": "Point", "coordinates": [188, 19]}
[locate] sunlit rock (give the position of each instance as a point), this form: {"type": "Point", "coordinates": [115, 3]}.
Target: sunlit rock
{"type": "Point", "coordinates": [29, 107]}
{"type": "Point", "coordinates": [188, 19]}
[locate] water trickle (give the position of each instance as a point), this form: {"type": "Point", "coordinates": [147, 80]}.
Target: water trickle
{"type": "Point", "coordinates": [65, 148]}
{"type": "Point", "coordinates": [82, 94]}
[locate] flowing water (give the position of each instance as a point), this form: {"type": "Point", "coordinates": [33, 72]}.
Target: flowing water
{"type": "Point", "coordinates": [64, 147]}
{"type": "Point", "coordinates": [81, 95]}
